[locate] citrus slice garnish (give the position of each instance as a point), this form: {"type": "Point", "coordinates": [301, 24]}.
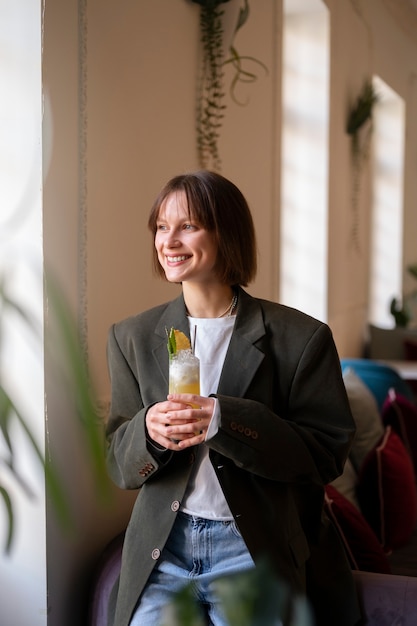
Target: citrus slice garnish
{"type": "Point", "coordinates": [182, 341]}
{"type": "Point", "coordinates": [177, 341]}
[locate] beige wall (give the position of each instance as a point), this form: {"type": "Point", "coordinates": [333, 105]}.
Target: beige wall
{"type": "Point", "coordinates": [121, 122]}
{"type": "Point", "coordinates": [373, 37]}
{"type": "Point", "coordinates": [142, 67]}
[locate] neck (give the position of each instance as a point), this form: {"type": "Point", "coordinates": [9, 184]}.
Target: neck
{"type": "Point", "coordinates": [210, 303]}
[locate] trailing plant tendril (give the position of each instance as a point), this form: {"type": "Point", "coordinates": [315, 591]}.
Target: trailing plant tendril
{"type": "Point", "coordinates": [359, 116]}
{"type": "Point", "coordinates": [241, 75]}
{"type": "Point", "coordinates": [210, 109]}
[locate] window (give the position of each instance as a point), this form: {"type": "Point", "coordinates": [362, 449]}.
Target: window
{"type": "Point", "coordinates": [387, 210]}
{"type": "Point", "coordinates": [23, 573]}
{"type": "Point", "coordinates": [304, 204]}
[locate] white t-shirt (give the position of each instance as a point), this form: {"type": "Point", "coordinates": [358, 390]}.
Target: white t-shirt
{"type": "Point", "coordinates": [204, 496]}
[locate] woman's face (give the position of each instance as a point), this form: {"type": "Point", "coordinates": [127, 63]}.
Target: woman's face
{"type": "Point", "coordinates": [186, 250]}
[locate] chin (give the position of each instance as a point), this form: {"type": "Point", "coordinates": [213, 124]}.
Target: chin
{"type": "Point", "coordinates": [173, 279]}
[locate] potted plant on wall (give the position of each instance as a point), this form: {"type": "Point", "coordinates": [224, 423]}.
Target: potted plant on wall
{"type": "Point", "coordinates": [219, 22]}
{"type": "Point", "coordinates": [359, 128]}
{"type": "Point", "coordinates": [401, 311]}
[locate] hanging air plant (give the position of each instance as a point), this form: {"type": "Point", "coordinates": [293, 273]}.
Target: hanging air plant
{"type": "Point", "coordinates": [217, 43]}
{"type": "Point", "coordinates": [359, 127]}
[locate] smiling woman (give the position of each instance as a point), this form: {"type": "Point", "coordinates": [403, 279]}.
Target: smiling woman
{"type": "Point", "coordinates": [274, 424]}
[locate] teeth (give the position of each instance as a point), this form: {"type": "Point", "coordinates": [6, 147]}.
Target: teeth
{"type": "Point", "coordinates": [175, 259]}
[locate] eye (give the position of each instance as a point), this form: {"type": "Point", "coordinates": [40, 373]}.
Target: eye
{"type": "Point", "coordinates": [188, 226]}
{"type": "Point", "coordinates": [161, 227]}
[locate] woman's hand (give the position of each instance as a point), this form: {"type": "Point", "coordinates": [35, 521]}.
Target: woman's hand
{"type": "Point", "coordinates": [181, 421]}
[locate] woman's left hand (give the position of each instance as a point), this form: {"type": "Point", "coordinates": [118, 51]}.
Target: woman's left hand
{"type": "Point", "coordinates": [187, 425]}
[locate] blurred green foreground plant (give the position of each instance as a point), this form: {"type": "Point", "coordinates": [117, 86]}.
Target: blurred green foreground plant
{"type": "Point", "coordinates": [253, 598]}
{"type": "Point", "coordinates": [67, 343]}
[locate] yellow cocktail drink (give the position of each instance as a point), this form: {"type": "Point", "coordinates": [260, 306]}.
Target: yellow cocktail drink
{"type": "Point", "coordinates": [184, 373]}
{"type": "Point", "coordinates": [191, 388]}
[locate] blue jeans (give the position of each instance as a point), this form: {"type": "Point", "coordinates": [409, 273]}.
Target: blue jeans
{"type": "Point", "coordinates": [198, 551]}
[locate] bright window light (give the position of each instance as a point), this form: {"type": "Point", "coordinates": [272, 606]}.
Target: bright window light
{"type": "Point", "coordinates": [23, 572]}
{"type": "Point", "coordinates": [304, 199]}
{"type": "Point", "coordinates": [387, 210]}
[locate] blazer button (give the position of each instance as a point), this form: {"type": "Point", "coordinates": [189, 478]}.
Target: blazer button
{"type": "Point", "coordinates": [254, 434]}
{"type": "Point", "coordinates": [240, 428]}
{"type": "Point", "coordinates": [248, 432]}
{"type": "Point", "coordinates": [146, 469]}
{"type": "Point", "coordinates": [175, 506]}
{"type": "Point", "coordinates": [156, 553]}
{"type": "Point", "coordinates": [233, 425]}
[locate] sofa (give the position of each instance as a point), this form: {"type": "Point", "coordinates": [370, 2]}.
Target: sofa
{"type": "Point", "coordinates": [373, 504]}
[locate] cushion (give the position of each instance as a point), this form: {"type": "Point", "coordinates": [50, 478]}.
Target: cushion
{"type": "Point", "coordinates": [401, 414]}
{"type": "Point", "coordinates": [378, 377]}
{"type": "Point", "coordinates": [369, 426]}
{"type": "Point", "coordinates": [362, 546]}
{"type": "Point", "coordinates": [387, 491]}
{"type": "Point", "coordinates": [346, 483]}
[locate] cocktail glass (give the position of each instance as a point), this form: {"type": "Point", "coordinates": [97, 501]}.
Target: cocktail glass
{"type": "Point", "coordinates": [184, 373]}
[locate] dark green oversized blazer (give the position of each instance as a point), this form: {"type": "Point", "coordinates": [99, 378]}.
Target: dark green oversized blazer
{"type": "Point", "coordinates": [285, 431]}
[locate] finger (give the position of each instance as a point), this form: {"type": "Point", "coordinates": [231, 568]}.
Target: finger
{"type": "Point", "coordinates": [186, 398]}
{"type": "Point", "coordinates": [186, 416]}
{"type": "Point", "coordinates": [181, 430]}
{"type": "Point", "coordinates": [194, 440]}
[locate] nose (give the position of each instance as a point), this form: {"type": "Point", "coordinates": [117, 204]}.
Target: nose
{"type": "Point", "coordinates": [172, 242]}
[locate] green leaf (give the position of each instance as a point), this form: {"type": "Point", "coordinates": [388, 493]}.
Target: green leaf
{"type": "Point", "coordinates": [252, 598]}
{"type": "Point", "coordinates": [257, 598]}
{"type": "Point", "coordinates": [184, 609]}
{"type": "Point", "coordinates": [6, 413]}
{"type": "Point", "coordinates": [172, 344]}
{"type": "Point", "coordinates": [54, 487]}
{"type": "Point", "coordinates": [400, 313]}
{"type": "Point", "coordinates": [67, 342]}
{"type": "Point", "coordinates": [243, 16]}
{"type": "Point", "coordinates": [80, 384]}
{"type": "Point", "coordinates": [412, 269]}
{"type": "Point", "coordinates": [10, 526]}
{"type": "Point", "coordinates": [362, 111]}
{"type": "Point", "coordinates": [8, 303]}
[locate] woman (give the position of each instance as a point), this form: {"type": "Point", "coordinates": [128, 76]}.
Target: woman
{"type": "Point", "coordinates": [273, 427]}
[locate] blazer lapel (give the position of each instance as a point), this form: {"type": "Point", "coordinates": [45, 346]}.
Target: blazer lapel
{"type": "Point", "coordinates": [243, 358]}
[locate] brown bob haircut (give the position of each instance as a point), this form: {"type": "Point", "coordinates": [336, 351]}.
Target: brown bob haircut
{"type": "Point", "coordinates": [217, 205]}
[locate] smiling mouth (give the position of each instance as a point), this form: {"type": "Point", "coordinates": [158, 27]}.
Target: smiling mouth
{"type": "Point", "coordinates": [177, 259]}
